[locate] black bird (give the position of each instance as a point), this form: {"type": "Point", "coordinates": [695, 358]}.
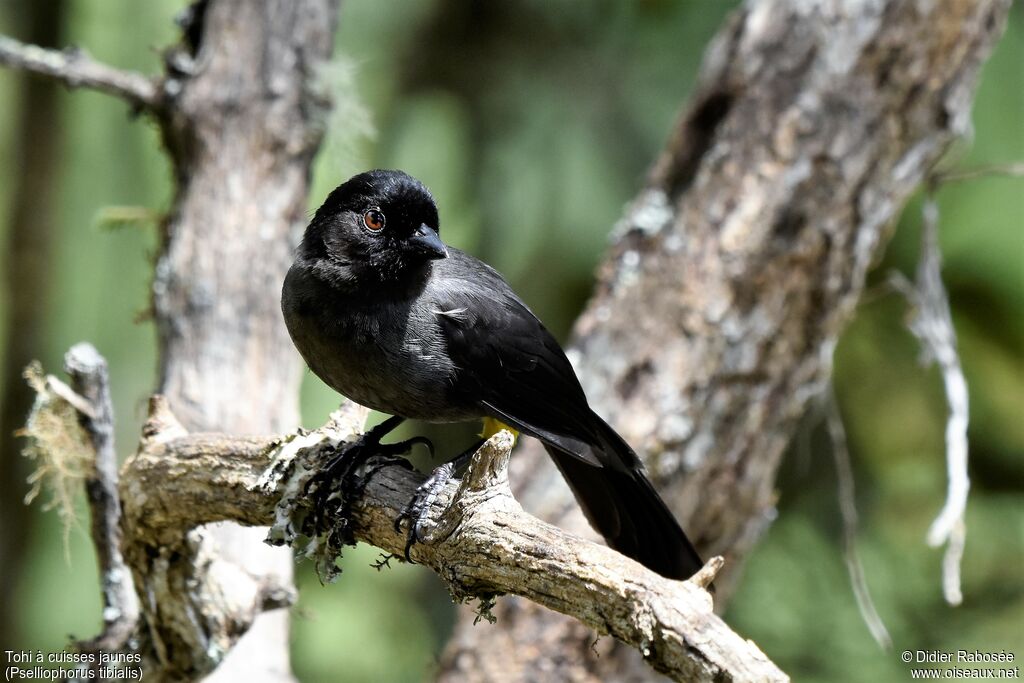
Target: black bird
{"type": "Point", "coordinates": [388, 315]}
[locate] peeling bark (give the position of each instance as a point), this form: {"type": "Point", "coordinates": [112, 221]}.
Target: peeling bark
{"type": "Point", "coordinates": [481, 542]}
{"type": "Point", "coordinates": [477, 538]}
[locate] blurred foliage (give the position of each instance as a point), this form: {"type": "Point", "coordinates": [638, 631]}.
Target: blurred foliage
{"type": "Point", "coordinates": [534, 122]}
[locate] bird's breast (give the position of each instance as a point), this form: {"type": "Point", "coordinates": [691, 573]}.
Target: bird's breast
{"type": "Point", "coordinates": [390, 357]}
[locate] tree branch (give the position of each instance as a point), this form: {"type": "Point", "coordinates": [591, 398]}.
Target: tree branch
{"type": "Point", "coordinates": [736, 269]}
{"type": "Point", "coordinates": [480, 541]}
{"type": "Point", "coordinates": [1011, 170]}
{"type": "Point", "coordinates": [932, 324]}
{"type": "Point", "coordinates": [89, 380]}
{"type": "Point", "coordinates": [847, 499]}
{"type": "Point", "coordinates": [237, 107]}
{"type": "Point", "coordinates": [76, 69]}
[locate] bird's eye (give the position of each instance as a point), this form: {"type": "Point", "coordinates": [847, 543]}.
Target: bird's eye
{"type": "Point", "coordinates": [373, 220]}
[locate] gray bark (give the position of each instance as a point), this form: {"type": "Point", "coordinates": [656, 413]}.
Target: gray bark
{"type": "Point", "coordinates": [713, 324]}
{"type": "Point", "coordinates": [241, 128]}
{"type": "Point", "coordinates": [241, 122]}
{"type": "Point", "coordinates": [734, 271]}
{"type": "Point", "coordinates": [480, 541]}
{"type": "Point", "coordinates": [90, 381]}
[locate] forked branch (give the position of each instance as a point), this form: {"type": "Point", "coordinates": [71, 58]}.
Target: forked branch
{"type": "Point", "coordinates": [479, 540]}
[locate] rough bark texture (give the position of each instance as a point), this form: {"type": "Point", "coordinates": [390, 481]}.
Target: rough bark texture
{"type": "Point", "coordinates": [477, 537]}
{"type": "Point", "coordinates": [481, 542]}
{"type": "Point", "coordinates": [734, 271]}
{"type": "Point", "coordinates": [713, 324]}
{"type": "Point", "coordinates": [241, 126]}
{"type": "Point", "coordinates": [90, 380]}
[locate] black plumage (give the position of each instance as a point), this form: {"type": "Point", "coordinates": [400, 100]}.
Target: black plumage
{"type": "Point", "coordinates": [387, 315]}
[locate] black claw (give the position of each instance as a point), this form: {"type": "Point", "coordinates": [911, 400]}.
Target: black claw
{"type": "Point", "coordinates": [349, 457]}
{"type": "Point", "coordinates": [408, 547]}
{"type": "Point", "coordinates": [336, 484]}
{"type": "Point", "coordinates": [416, 510]}
{"type": "Point", "coordinates": [402, 516]}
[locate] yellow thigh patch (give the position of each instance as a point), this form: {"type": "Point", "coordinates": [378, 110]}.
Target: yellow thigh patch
{"type": "Point", "coordinates": [492, 427]}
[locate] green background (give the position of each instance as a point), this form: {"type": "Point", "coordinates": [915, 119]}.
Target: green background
{"type": "Point", "coordinates": [533, 123]}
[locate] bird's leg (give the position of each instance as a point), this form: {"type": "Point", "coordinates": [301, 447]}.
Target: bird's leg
{"type": "Point", "coordinates": [337, 481]}
{"type": "Point", "coordinates": [416, 510]}
{"type": "Point", "coordinates": [348, 458]}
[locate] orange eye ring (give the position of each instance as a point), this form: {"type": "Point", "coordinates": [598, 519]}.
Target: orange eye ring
{"type": "Point", "coordinates": [374, 220]}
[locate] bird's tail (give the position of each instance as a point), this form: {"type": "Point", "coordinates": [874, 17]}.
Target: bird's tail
{"type": "Point", "coordinates": [622, 505]}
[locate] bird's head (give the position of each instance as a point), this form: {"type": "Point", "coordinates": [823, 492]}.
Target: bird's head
{"type": "Point", "coordinates": [378, 226]}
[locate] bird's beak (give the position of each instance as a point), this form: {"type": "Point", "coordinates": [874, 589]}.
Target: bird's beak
{"type": "Point", "coordinates": [426, 241]}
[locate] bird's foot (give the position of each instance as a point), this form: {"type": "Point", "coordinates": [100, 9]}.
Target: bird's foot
{"type": "Point", "coordinates": [417, 510]}
{"type": "Point", "coordinates": [344, 477]}
{"type": "Point", "coordinates": [348, 459]}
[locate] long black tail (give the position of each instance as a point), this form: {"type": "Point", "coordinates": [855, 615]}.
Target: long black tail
{"type": "Point", "coordinates": [622, 505]}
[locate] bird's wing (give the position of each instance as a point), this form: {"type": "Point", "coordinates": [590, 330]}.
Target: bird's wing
{"type": "Point", "coordinates": [509, 364]}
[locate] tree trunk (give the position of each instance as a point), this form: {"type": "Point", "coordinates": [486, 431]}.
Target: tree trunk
{"type": "Point", "coordinates": [242, 133]}
{"type": "Point", "coordinates": [712, 327]}
{"type": "Point", "coordinates": [734, 271]}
